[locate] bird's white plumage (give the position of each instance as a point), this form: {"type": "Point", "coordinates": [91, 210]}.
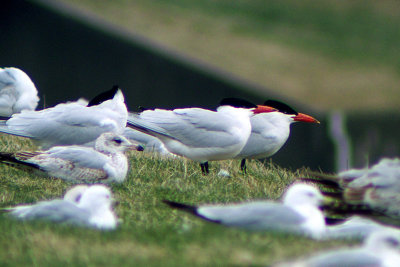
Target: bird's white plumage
{"type": "Point", "coordinates": [199, 134]}
{"type": "Point", "coordinates": [93, 209]}
{"type": "Point", "coordinates": [298, 213]}
{"type": "Point", "coordinates": [105, 163]}
{"type": "Point", "coordinates": [381, 249]}
{"type": "Point", "coordinates": [377, 186]}
{"type": "Point", "coordinates": [17, 92]}
{"type": "Point", "coordinates": [356, 227]}
{"type": "Point", "coordinates": [70, 123]}
{"type": "Point", "coordinates": [269, 132]}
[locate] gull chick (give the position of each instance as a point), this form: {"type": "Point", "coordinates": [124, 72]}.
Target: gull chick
{"type": "Point", "coordinates": [93, 209]}
{"type": "Point", "coordinates": [17, 92]}
{"type": "Point", "coordinates": [104, 163]}
{"type": "Point", "coordinates": [298, 213]}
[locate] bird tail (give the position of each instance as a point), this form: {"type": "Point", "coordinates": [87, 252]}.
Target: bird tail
{"type": "Point", "coordinates": [4, 129]}
{"type": "Point", "coordinates": [146, 127]}
{"type": "Point", "coordinates": [9, 158]}
{"type": "Point", "coordinates": [188, 208]}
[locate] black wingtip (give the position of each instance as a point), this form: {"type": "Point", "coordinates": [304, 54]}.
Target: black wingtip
{"type": "Point", "coordinates": [236, 102]}
{"type": "Point", "coordinates": [181, 206]}
{"type": "Point", "coordinates": [334, 221]}
{"type": "Point", "coordinates": [281, 107]}
{"type": "Point", "coordinates": [107, 95]}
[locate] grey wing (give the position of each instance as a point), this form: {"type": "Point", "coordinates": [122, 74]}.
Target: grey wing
{"type": "Point", "coordinates": [348, 258]}
{"type": "Point", "coordinates": [194, 126]}
{"type": "Point", "coordinates": [80, 156]}
{"type": "Point", "coordinates": [56, 211]}
{"type": "Point", "coordinates": [255, 216]}
{"type": "Point", "coordinates": [65, 124]}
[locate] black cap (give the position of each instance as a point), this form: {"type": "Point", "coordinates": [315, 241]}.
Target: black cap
{"type": "Point", "coordinates": [281, 107]}
{"type": "Point", "coordinates": [107, 95]}
{"type": "Point", "coordinates": [237, 103]}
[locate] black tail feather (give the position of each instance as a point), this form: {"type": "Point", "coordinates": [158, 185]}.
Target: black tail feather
{"type": "Point", "coordinates": [188, 208]}
{"type": "Point", "coordinates": [9, 158]}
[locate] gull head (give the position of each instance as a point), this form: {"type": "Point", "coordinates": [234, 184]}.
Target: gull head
{"type": "Point", "coordinates": [303, 194]}
{"type": "Point", "coordinates": [383, 241]}
{"type": "Point", "coordinates": [96, 198]}
{"type": "Point", "coordinates": [112, 143]}
{"type": "Point", "coordinates": [74, 194]}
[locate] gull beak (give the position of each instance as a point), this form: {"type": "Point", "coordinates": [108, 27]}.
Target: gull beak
{"type": "Point", "coordinates": [263, 109]}
{"type": "Point", "coordinates": [305, 118]}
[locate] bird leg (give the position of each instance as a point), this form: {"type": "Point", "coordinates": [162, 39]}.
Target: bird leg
{"type": "Point", "coordinates": [204, 168]}
{"type": "Point", "coordinates": [243, 166]}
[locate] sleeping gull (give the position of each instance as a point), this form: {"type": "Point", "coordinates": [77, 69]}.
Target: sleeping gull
{"type": "Point", "coordinates": [94, 209]}
{"type": "Point", "coordinates": [381, 249]}
{"type": "Point", "coordinates": [356, 227]}
{"type": "Point", "coordinates": [17, 92]}
{"type": "Point", "coordinates": [105, 163]}
{"type": "Point", "coordinates": [71, 123]}
{"type": "Point", "coordinates": [298, 213]}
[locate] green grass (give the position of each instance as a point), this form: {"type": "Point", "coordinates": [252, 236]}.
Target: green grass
{"type": "Point", "coordinates": [151, 234]}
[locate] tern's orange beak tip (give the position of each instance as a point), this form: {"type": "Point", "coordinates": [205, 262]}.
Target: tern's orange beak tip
{"type": "Point", "coordinates": [305, 118]}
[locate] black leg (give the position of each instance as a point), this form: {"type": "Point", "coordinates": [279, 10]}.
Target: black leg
{"type": "Point", "coordinates": [243, 166]}
{"type": "Point", "coordinates": [204, 168]}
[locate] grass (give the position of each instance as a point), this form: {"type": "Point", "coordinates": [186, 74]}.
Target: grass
{"type": "Point", "coordinates": [151, 234]}
{"type": "Point", "coordinates": [322, 53]}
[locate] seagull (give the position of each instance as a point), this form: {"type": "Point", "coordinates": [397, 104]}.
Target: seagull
{"type": "Point", "coordinates": [93, 209]}
{"type": "Point", "coordinates": [104, 163]}
{"type": "Point", "coordinates": [199, 134]}
{"type": "Point", "coordinates": [381, 249]}
{"type": "Point", "coordinates": [71, 123]}
{"type": "Point", "coordinates": [356, 227]}
{"type": "Point", "coordinates": [374, 190]}
{"type": "Point", "coordinates": [298, 213]}
{"type": "Point", "coordinates": [17, 92]}
{"type": "Point", "coordinates": [269, 131]}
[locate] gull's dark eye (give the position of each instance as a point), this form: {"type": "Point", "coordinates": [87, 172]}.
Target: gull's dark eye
{"type": "Point", "coordinates": [392, 242]}
{"type": "Point", "coordinates": [117, 140]}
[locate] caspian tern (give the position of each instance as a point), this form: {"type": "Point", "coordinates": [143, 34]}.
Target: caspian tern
{"type": "Point", "coordinates": [200, 134]}
{"type": "Point", "coordinates": [71, 123]}
{"type": "Point", "coordinates": [381, 249]}
{"type": "Point", "coordinates": [93, 209]}
{"type": "Point", "coordinates": [104, 163]}
{"type": "Point", "coordinates": [298, 213]}
{"type": "Point", "coordinates": [269, 131]}
{"type": "Point", "coordinates": [17, 92]}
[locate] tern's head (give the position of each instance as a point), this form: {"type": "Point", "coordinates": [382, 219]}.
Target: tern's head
{"type": "Point", "coordinates": [112, 143]}
{"type": "Point", "coordinates": [96, 197]}
{"type": "Point", "coordinates": [113, 93]}
{"type": "Point", "coordinates": [289, 112]}
{"type": "Point", "coordinates": [385, 240]}
{"type": "Point", "coordinates": [74, 194]}
{"type": "Point", "coordinates": [302, 194]}
{"type": "Point", "coordinates": [244, 104]}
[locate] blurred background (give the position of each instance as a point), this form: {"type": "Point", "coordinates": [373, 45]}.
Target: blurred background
{"type": "Point", "coordinates": [338, 61]}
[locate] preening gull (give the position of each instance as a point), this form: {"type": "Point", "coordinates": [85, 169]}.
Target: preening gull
{"type": "Point", "coordinates": [93, 209]}
{"type": "Point", "coordinates": [269, 131]}
{"type": "Point", "coordinates": [71, 123]}
{"type": "Point", "coordinates": [381, 249]}
{"type": "Point", "coordinates": [376, 188]}
{"type": "Point", "coordinates": [104, 163]}
{"type": "Point", "coordinates": [200, 134]}
{"type": "Point", "coordinates": [17, 92]}
{"type": "Point", "coordinates": [298, 213]}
